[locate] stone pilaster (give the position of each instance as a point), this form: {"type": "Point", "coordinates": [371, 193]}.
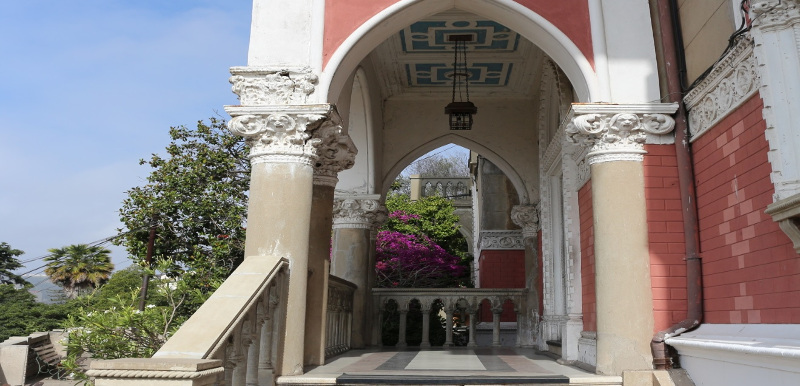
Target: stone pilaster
{"type": "Point", "coordinates": [354, 219]}
{"type": "Point", "coordinates": [615, 135]}
{"type": "Point", "coordinates": [336, 152]}
{"type": "Point", "coordinates": [284, 134]}
{"type": "Point", "coordinates": [527, 218]}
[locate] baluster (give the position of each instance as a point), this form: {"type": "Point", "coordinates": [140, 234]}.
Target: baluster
{"type": "Point", "coordinates": [230, 362]}
{"type": "Point", "coordinates": [401, 339]}
{"type": "Point", "coordinates": [425, 307]}
{"type": "Point", "coordinates": [448, 311]}
{"type": "Point", "coordinates": [473, 320]}
{"type": "Point", "coordinates": [245, 337]}
{"type": "Point", "coordinates": [265, 365]}
{"type": "Point", "coordinates": [254, 351]}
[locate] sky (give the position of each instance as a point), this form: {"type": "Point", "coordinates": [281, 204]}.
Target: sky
{"type": "Point", "coordinates": [89, 87]}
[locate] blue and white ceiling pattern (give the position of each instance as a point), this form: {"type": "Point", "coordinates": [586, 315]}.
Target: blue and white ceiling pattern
{"type": "Point", "coordinates": [418, 60]}
{"type": "Point", "coordinates": [489, 38]}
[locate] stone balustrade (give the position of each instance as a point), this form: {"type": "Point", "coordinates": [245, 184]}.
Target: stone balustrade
{"type": "Point", "coordinates": [448, 187]}
{"type": "Point", "coordinates": [235, 338]}
{"type": "Point", "coordinates": [464, 301]}
{"type": "Point", "coordinates": [339, 319]}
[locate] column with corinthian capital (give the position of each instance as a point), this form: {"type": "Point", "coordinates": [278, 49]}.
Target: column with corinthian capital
{"type": "Point", "coordinates": [284, 133]}
{"type": "Point", "coordinates": [354, 218]}
{"type": "Point", "coordinates": [615, 135]}
{"type": "Point", "coordinates": [336, 153]}
{"type": "Point", "coordinates": [527, 218]}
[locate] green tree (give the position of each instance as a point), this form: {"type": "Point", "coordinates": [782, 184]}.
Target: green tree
{"type": "Point", "coordinates": [431, 216]}
{"type": "Point", "coordinates": [8, 263]}
{"type": "Point", "coordinates": [196, 196]}
{"type": "Point", "coordinates": [79, 268]}
{"type": "Point", "coordinates": [21, 315]}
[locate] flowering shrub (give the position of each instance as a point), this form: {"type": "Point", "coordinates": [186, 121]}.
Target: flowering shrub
{"type": "Point", "coordinates": [407, 261]}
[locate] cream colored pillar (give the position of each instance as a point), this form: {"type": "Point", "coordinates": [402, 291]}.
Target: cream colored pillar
{"type": "Point", "coordinates": [616, 135]}
{"type": "Point", "coordinates": [353, 219]}
{"type": "Point", "coordinates": [336, 153]}
{"type": "Point", "coordinates": [527, 218]}
{"type": "Point", "coordinates": [283, 133]}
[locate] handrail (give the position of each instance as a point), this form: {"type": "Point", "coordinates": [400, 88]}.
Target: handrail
{"type": "Point", "coordinates": [339, 317]}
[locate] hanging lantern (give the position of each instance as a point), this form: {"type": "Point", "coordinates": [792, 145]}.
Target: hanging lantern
{"type": "Point", "coordinates": [461, 110]}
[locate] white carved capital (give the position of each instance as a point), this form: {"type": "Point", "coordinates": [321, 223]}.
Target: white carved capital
{"type": "Point", "coordinates": [774, 14]}
{"type": "Point", "coordinates": [360, 212]}
{"type": "Point", "coordinates": [335, 152]}
{"type": "Point", "coordinates": [280, 134]}
{"type": "Point", "coordinates": [618, 132]}
{"type": "Point", "coordinates": [270, 86]}
{"type": "Point", "coordinates": [527, 218]}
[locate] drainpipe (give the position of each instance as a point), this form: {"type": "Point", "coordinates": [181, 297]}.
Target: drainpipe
{"type": "Point", "coordinates": [675, 65]}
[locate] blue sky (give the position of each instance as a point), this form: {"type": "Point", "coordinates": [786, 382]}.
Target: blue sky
{"type": "Point", "coordinates": [87, 88]}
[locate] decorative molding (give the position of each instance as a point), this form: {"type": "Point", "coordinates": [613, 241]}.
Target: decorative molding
{"type": "Point", "coordinates": [335, 152]}
{"type": "Point", "coordinates": [729, 84]}
{"type": "Point", "coordinates": [618, 132]}
{"type": "Point", "coordinates": [786, 213]}
{"type": "Point", "coordinates": [269, 86]}
{"type": "Point", "coordinates": [280, 134]}
{"type": "Point", "coordinates": [359, 212]}
{"type": "Point", "coordinates": [527, 218]}
{"type": "Point", "coordinates": [553, 151]}
{"type": "Point", "coordinates": [774, 14]}
{"type": "Point", "coordinates": [501, 240]}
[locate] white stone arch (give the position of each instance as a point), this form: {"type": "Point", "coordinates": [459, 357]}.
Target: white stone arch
{"type": "Point", "coordinates": [497, 160]}
{"type": "Point", "coordinates": [522, 20]}
{"type": "Point", "coordinates": [362, 177]}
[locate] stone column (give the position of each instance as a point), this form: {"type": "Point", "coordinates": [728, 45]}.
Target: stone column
{"type": "Point", "coordinates": [616, 135]}
{"type": "Point", "coordinates": [401, 333]}
{"type": "Point", "coordinates": [527, 218]}
{"type": "Point", "coordinates": [497, 311]}
{"type": "Point", "coordinates": [448, 324]}
{"type": "Point", "coordinates": [473, 320]}
{"type": "Point", "coordinates": [336, 153]}
{"type": "Point", "coordinates": [426, 324]}
{"type": "Point", "coordinates": [282, 132]}
{"type": "Point", "coordinates": [353, 219]}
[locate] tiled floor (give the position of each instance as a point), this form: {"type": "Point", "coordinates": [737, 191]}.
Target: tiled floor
{"type": "Point", "coordinates": [446, 366]}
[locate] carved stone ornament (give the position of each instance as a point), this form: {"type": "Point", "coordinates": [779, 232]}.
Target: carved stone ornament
{"type": "Point", "coordinates": [268, 86]}
{"type": "Point", "coordinates": [618, 132]}
{"type": "Point", "coordinates": [501, 240]}
{"type": "Point", "coordinates": [360, 212]}
{"type": "Point", "coordinates": [730, 83]}
{"type": "Point", "coordinates": [527, 218]}
{"type": "Point", "coordinates": [335, 152]}
{"type": "Point", "coordinates": [774, 14]}
{"type": "Point", "coordinates": [280, 134]}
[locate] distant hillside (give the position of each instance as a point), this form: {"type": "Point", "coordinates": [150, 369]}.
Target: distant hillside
{"type": "Point", "coordinates": [46, 291]}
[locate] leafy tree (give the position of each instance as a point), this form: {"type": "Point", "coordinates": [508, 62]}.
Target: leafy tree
{"type": "Point", "coordinates": [433, 217]}
{"type": "Point", "coordinates": [21, 315]}
{"type": "Point", "coordinates": [196, 196]}
{"type": "Point", "coordinates": [79, 268]}
{"type": "Point", "coordinates": [8, 263]}
{"type": "Point", "coordinates": [439, 165]}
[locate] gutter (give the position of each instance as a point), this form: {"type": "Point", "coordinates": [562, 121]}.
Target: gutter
{"type": "Point", "coordinates": [675, 71]}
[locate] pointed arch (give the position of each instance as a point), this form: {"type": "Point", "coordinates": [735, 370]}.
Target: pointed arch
{"type": "Point", "coordinates": [505, 167]}
{"type": "Point", "coordinates": [519, 18]}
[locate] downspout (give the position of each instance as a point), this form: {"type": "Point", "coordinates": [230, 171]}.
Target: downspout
{"type": "Point", "coordinates": [675, 66]}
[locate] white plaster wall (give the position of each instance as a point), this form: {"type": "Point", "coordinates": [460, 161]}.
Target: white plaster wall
{"type": "Point", "coordinates": [287, 33]}
{"type": "Point", "coordinates": [503, 132]}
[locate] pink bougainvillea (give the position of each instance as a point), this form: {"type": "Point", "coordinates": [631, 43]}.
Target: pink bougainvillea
{"type": "Point", "coordinates": [408, 261]}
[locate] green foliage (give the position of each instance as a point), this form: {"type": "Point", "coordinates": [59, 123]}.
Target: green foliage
{"type": "Point", "coordinates": [8, 263]}
{"type": "Point", "coordinates": [434, 217]}
{"type": "Point", "coordinates": [21, 315]}
{"type": "Point", "coordinates": [79, 268]}
{"type": "Point", "coordinates": [122, 283]}
{"type": "Point", "coordinates": [196, 196]}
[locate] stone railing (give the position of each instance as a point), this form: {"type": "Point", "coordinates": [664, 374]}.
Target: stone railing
{"type": "Point", "coordinates": [233, 339]}
{"type": "Point", "coordinates": [463, 301]}
{"type": "Point", "coordinates": [448, 187]}
{"type": "Point", "coordinates": [340, 316]}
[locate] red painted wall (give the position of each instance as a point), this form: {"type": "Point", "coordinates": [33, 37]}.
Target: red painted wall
{"type": "Point", "coordinates": [665, 231]}
{"type": "Point", "coordinates": [587, 257]}
{"type": "Point", "coordinates": [751, 273]}
{"type": "Point", "coordinates": [342, 17]}
{"type": "Point", "coordinates": [501, 269]}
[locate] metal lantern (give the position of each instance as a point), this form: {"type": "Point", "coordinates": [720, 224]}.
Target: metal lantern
{"type": "Point", "coordinates": [460, 111]}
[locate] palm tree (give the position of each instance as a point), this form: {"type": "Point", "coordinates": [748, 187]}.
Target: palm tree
{"type": "Point", "coordinates": [79, 268]}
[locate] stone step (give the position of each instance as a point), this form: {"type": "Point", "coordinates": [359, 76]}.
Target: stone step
{"type": "Point", "coordinates": [406, 379]}
{"type": "Point", "coordinates": [554, 346]}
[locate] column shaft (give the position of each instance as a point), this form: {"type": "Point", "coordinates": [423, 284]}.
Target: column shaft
{"type": "Point", "coordinates": [426, 329]}
{"type": "Point", "coordinates": [318, 253]}
{"type": "Point", "coordinates": [622, 268]}
{"type": "Point", "coordinates": [351, 262]}
{"type": "Point", "coordinates": [401, 339]}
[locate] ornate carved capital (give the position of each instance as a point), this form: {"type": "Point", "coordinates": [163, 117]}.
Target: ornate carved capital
{"type": "Point", "coordinates": [774, 14]}
{"type": "Point", "coordinates": [269, 86]}
{"type": "Point", "coordinates": [361, 212]}
{"type": "Point", "coordinates": [335, 152]}
{"type": "Point", "coordinates": [280, 133]}
{"type": "Point", "coordinates": [527, 218]}
{"type": "Point", "coordinates": [618, 132]}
